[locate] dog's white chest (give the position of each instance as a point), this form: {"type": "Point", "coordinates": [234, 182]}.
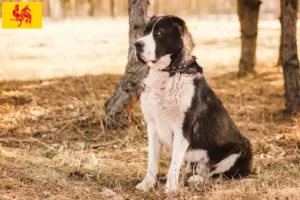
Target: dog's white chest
{"type": "Point", "coordinates": [165, 101]}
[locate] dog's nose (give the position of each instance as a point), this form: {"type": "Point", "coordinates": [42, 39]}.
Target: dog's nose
{"type": "Point", "coordinates": [139, 44]}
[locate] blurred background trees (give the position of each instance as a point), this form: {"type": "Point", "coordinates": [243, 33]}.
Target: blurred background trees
{"type": "Point", "coordinates": [114, 8]}
{"type": "Point", "coordinates": [248, 12]}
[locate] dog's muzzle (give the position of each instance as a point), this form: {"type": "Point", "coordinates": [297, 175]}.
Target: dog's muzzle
{"type": "Point", "coordinates": [139, 48]}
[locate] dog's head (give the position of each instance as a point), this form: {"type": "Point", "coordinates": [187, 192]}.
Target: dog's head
{"type": "Point", "coordinates": [167, 35]}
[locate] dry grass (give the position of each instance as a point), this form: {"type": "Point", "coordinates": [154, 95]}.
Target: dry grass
{"type": "Point", "coordinates": [53, 144]}
{"type": "Point", "coordinates": [55, 147]}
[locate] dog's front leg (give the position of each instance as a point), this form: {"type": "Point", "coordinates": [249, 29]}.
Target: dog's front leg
{"type": "Point", "coordinates": [154, 148]}
{"type": "Point", "coordinates": [180, 145]}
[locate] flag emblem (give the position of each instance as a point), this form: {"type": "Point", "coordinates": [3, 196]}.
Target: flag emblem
{"type": "Point", "coordinates": [21, 15]}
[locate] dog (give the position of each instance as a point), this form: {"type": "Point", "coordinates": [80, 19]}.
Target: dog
{"type": "Point", "coordinates": [183, 113]}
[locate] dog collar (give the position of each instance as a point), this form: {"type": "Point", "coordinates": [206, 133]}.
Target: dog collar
{"type": "Point", "coordinates": [181, 67]}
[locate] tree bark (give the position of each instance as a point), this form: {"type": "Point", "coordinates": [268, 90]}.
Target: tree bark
{"type": "Point", "coordinates": [127, 92]}
{"type": "Point", "coordinates": [290, 61]}
{"type": "Point", "coordinates": [248, 11]}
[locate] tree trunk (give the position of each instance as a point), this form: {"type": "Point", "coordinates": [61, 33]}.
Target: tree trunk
{"type": "Point", "coordinates": [55, 9]}
{"type": "Point", "coordinates": [98, 7]}
{"type": "Point", "coordinates": [92, 8]}
{"type": "Point", "coordinates": [290, 60]}
{"type": "Point", "coordinates": [129, 88]}
{"type": "Point", "coordinates": [112, 8]}
{"type": "Point", "coordinates": [46, 8]}
{"type": "Point", "coordinates": [73, 8]}
{"type": "Point", "coordinates": [248, 11]}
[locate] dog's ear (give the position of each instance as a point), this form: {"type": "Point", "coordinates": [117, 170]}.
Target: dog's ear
{"type": "Point", "coordinates": [179, 23]}
{"type": "Point", "coordinates": [153, 17]}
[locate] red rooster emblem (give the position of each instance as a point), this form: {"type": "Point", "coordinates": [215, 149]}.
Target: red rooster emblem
{"type": "Point", "coordinates": [24, 15]}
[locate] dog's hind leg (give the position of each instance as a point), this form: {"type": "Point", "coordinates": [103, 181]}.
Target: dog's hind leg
{"type": "Point", "coordinates": [235, 165]}
{"type": "Point", "coordinates": [225, 164]}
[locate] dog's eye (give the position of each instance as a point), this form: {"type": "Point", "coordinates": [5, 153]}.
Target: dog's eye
{"type": "Point", "coordinates": [145, 32]}
{"type": "Point", "coordinates": [159, 33]}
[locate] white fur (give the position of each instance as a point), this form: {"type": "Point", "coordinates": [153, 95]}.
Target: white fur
{"type": "Point", "coordinates": [150, 45]}
{"type": "Point", "coordinates": [164, 103]}
{"type": "Point", "coordinates": [225, 164]}
{"type": "Point", "coordinates": [161, 63]}
{"type": "Point", "coordinates": [180, 145]}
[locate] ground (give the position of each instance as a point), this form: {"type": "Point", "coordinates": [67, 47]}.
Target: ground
{"type": "Point", "coordinates": [54, 144]}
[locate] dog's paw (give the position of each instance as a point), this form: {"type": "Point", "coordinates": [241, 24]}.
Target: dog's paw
{"type": "Point", "coordinates": [170, 188]}
{"type": "Point", "coordinates": [196, 179]}
{"type": "Point", "coordinates": [171, 185]}
{"type": "Point", "coordinates": [146, 184]}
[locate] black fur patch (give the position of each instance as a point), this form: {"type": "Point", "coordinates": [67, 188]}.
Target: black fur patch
{"type": "Point", "coordinates": [209, 127]}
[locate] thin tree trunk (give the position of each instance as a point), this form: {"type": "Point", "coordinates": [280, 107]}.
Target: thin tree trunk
{"type": "Point", "coordinates": [46, 8]}
{"type": "Point", "coordinates": [290, 59]}
{"type": "Point", "coordinates": [112, 8]}
{"type": "Point", "coordinates": [130, 87]}
{"type": "Point", "coordinates": [55, 9]}
{"type": "Point", "coordinates": [73, 8]}
{"type": "Point", "coordinates": [98, 7]}
{"type": "Point", "coordinates": [92, 8]}
{"type": "Point", "coordinates": [248, 11]}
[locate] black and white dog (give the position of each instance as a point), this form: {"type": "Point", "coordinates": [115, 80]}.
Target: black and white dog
{"type": "Point", "coordinates": [183, 113]}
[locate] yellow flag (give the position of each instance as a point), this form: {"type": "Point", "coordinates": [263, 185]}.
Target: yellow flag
{"type": "Point", "coordinates": [22, 15]}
